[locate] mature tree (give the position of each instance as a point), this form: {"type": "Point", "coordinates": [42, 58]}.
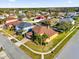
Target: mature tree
{"type": "Point", "coordinates": [39, 39]}
{"type": "Point", "coordinates": [63, 26]}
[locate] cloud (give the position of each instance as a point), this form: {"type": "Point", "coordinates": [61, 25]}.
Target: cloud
{"type": "Point", "coordinates": [12, 0]}
{"type": "Point", "coordinates": [70, 1]}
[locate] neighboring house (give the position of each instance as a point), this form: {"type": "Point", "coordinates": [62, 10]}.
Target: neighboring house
{"type": "Point", "coordinates": [11, 15]}
{"type": "Point", "coordinates": [77, 13]}
{"type": "Point", "coordinates": [71, 14]}
{"type": "Point", "coordinates": [51, 22]}
{"type": "Point", "coordinates": [22, 16]}
{"type": "Point", "coordinates": [24, 19]}
{"type": "Point", "coordinates": [68, 19]}
{"type": "Point", "coordinates": [54, 21]}
{"type": "Point", "coordinates": [39, 18]}
{"type": "Point", "coordinates": [43, 30]}
{"type": "Point", "coordinates": [61, 14]}
{"type": "Point", "coordinates": [12, 20]}
{"type": "Point", "coordinates": [29, 14]}
{"type": "Point", "coordinates": [2, 17]}
{"type": "Point", "coordinates": [23, 26]}
{"type": "Point", "coordinates": [6, 15]}
{"type": "Point", "coordinates": [49, 17]}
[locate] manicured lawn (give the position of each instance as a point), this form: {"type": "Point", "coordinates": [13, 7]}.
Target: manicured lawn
{"type": "Point", "coordinates": [77, 20]}
{"type": "Point", "coordinates": [52, 55]}
{"type": "Point", "coordinates": [31, 54]}
{"type": "Point", "coordinates": [9, 32]}
{"type": "Point", "coordinates": [34, 46]}
{"type": "Point", "coordinates": [19, 37]}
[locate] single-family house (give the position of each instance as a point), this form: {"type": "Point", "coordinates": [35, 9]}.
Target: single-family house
{"type": "Point", "coordinates": [22, 15]}
{"type": "Point", "coordinates": [54, 21]}
{"type": "Point", "coordinates": [2, 17]}
{"type": "Point", "coordinates": [68, 19]}
{"type": "Point", "coordinates": [39, 18]}
{"type": "Point", "coordinates": [43, 30]}
{"type": "Point", "coordinates": [71, 14]}
{"type": "Point", "coordinates": [12, 20]}
{"type": "Point", "coordinates": [29, 14]}
{"type": "Point", "coordinates": [51, 21]}
{"type": "Point", "coordinates": [6, 15]}
{"type": "Point", "coordinates": [61, 13]}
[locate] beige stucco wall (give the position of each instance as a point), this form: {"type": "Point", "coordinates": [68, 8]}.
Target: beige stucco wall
{"type": "Point", "coordinates": [51, 38]}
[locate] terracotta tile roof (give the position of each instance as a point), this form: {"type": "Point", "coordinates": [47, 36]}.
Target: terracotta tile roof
{"type": "Point", "coordinates": [13, 23]}
{"type": "Point", "coordinates": [40, 17]}
{"type": "Point", "coordinates": [44, 30]}
{"type": "Point", "coordinates": [11, 20]}
{"type": "Point", "coordinates": [12, 16]}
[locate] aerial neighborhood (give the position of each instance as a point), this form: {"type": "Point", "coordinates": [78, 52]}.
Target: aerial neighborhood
{"type": "Point", "coordinates": [41, 29]}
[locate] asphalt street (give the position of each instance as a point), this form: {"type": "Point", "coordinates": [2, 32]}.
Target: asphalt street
{"type": "Point", "coordinates": [71, 49]}
{"type": "Point", "coordinates": [12, 51]}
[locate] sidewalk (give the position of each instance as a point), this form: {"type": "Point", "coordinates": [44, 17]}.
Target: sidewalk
{"type": "Point", "coordinates": [19, 43]}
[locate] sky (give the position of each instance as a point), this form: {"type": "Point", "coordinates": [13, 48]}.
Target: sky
{"type": "Point", "coordinates": [38, 3]}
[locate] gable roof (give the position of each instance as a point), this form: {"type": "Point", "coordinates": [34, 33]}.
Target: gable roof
{"type": "Point", "coordinates": [44, 30]}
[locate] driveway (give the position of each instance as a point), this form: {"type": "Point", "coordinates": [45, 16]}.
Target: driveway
{"type": "Point", "coordinates": [12, 51]}
{"type": "Point", "coordinates": [71, 49]}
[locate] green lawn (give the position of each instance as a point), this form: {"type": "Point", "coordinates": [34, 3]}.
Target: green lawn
{"type": "Point", "coordinates": [31, 54]}
{"type": "Point", "coordinates": [34, 46]}
{"type": "Point", "coordinates": [19, 37]}
{"type": "Point", "coordinates": [52, 55]}
{"type": "Point", "coordinates": [9, 32]}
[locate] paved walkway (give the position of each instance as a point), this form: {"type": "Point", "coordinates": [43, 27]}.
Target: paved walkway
{"type": "Point", "coordinates": [19, 43]}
